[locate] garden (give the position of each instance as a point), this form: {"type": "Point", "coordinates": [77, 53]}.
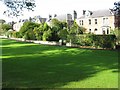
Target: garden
{"type": "Point", "coordinates": [28, 65]}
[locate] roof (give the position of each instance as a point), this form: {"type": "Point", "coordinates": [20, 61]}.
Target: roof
{"type": "Point", "coordinates": [64, 17]}
{"type": "Point", "coordinates": [99, 13]}
{"type": "Point", "coordinates": [42, 20]}
{"type": "Point", "coordinates": [61, 17]}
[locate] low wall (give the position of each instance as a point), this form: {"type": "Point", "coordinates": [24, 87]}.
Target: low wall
{"type": "Point", "coordinates": [47, 42]}
{"type": "Point", "coordinates": [34, 41]}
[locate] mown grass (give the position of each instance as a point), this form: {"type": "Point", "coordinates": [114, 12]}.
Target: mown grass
{"type": "Point", "coordinates": [28, 65]}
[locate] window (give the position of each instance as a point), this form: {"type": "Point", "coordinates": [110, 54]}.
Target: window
{"type": "Point", "coordinates": [95, 29]}
{"type": "Point", "coordinates": [105, 21]}
{"type": "Point", "coordinates": [90, 30]}
{"type": "Point", "coordinates": [95, 21]}
{"type": "Point", "coordinates": [107, 30]}
{"type": "Point", "coordinates": [89, 21]}
{"type": "Point", "coordinates": [82, 22]}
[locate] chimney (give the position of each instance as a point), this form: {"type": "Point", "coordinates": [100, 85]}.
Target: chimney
{"type": "Point", "coordinates": [74, 15]}
{"type": "Point", "coordinates": [84, 12]}
{"type": "Point", "coordinates": [50, 17]}
{"type": "Point", "coordinates": [91, 12]}
{"type": "Point", "coordinates": [55, 15]}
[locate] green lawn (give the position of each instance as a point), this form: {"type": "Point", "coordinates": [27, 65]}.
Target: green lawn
{"type": "Point", "coordinates": [28, 65]}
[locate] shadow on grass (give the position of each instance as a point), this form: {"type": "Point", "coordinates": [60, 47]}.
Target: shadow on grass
{"type": "Point", "coordinates": [40, 66]}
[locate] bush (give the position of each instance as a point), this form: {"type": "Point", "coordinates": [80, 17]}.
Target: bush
{"type": "Point", "coordinates": [16, 34]}
{"type": "Point", "coordinates": [9, 33]}
{"type": "Point", "coordinates": [26, 37]}
{"type": "Point", "coordinates": [27, 26]}
{"type": "Point", "coordinates": [47, 35]}
{"type": "Point", "coordinates": [104, 41]}
{"type": "Point", "coordinates": [84, 40]}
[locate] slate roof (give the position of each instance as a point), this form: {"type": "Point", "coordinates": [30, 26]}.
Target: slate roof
{"type": "Point", "coordinates": [62, 17]}
{"type": "Point", "coordinates": [99, 13]}
{"type": "Point", "coordinates": [42, 20]}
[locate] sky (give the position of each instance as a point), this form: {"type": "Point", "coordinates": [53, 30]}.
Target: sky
{"type": "Point", "coordinates": [59, 7]}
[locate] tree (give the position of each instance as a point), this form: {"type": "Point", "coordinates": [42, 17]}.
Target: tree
{"type": "Point", "coordinates": [2, 21]}
{"type": "Point", "coordinates": [74, 31]}
{"type": "Point", "coordinates": [45, 27]}
{"type": "Point", "coordinates": [117, 34]}
{"type": "Point", "coordinates": [16, 7]}
{"type": "Point", "coordinates": [63, 34]}
{"type": "Point", "coordinates": [47, 35]}
{"type": "Point", "coordinates": [116, 10]}
{"type": "Point", "coordinates": [27, 29]}
{"type": "Point", "coordinates": [6, 27]}
{"type": "Point", "coordinates": [38, 31]}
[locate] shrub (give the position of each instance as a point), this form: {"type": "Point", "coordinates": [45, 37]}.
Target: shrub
{"type": "Point", "coordinates": [26, 37]}
{"type": "Point", "coordinates": [104, 41]}
{"type": "Point", "coordinates": [84, 40]}
{"type": "Point", "coordinates": [28, 26]}
{"type": "Point", "coordinates": [9, 33]}
{"type": "Point", "coordinates": [47, 35]}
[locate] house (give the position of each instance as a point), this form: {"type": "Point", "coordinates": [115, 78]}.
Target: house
{"type": "Point", "coordinates": [36, 19]}
{"type": "Point", "coordinates": [69, 18]}
{"type": "Point", "coordinates": [97, 22]}
{"type": "Point", "coordinates": [19, 24]}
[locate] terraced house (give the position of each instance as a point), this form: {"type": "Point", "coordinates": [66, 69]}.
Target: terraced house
{"type": "Point", "coordinates": [97, 22]}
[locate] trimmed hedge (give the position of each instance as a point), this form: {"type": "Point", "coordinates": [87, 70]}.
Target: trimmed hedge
{"type": "Point", "coordinates": [102, 41]}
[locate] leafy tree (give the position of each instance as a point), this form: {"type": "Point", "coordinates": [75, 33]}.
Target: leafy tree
{"type": "Point", "coordinates": [16, 7]}
{"type": "Point", "coordinates": [2, 21]}
{"type": "Point", "coordinates": [45, 27]}
{"type": "Point", "coordinates": [6, 27]}
{"type": "Point", "coordinates": [63, 34]}
{"type": "Point", "coordinates": [27, 30]}
{"type": "Point", "coordinates": [74, 31]}
{"type": "Point", "coordinates": [38, 33]}
{"type": "Point", "coordinates": [28, 26]}
{"type": "Point", "coordinates": [117, 34]}
{"type": "Point", "coordinates": [116, 10]}
{"type": "Point", "coordinates": [47, 35]}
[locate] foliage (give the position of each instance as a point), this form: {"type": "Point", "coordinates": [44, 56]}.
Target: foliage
{"type": "Point", "coordinates": [104, 41]}
{"type": "Point", "coordinates": [16, 34]}
{"type": "Point", "coordinates": [16, 7]}
{"type": "Point", "coordinates": [6, 27]}
{"type": "Point", "coordinates": [2, 21]}
{"type": "Point", "coordinates": [117, 8]}
{"type": "Point", "coordinates": [38, 33]}
{"type": "Point", "coordinates": [45, 27]}
{"type": "Point", "coordinates": [46, 35]}
{"type": "Point", "coordinates": [29, 35]}
{"type": "Point", "coordinates": [9, 33]}
{"type": "Point", "coordinates": [27, 26]}
{"type": "Point", "coordinates": [84, 40]}
{"type": "Point", "coordinates": [63, 34]}
{"type": "Point", "coordinates": [26, 37]}
{"type": "Point", "coordinates": [57, 24]}
{"type": "Point", "coordinates": [117, 34]}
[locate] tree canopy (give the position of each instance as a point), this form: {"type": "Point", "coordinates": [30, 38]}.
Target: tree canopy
{"type": "Point", "coordinates": [16, 7]}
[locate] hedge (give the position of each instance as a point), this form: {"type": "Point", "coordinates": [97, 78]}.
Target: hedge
{"type": "Point", "coordinates": [103, 41]}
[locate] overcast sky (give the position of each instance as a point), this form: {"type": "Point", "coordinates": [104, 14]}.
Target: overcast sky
{"type": "Point", "coordinates": [46, 7]}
